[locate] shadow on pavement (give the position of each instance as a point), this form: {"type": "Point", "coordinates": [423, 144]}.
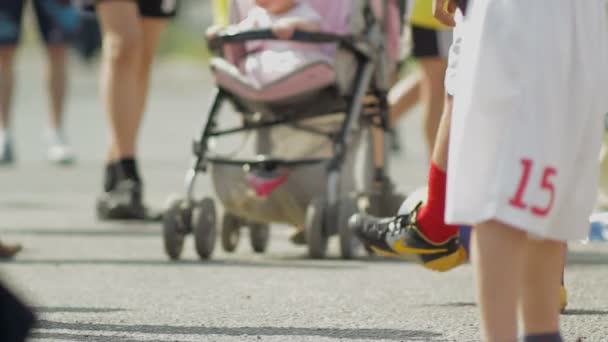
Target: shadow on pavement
{"type": "Point", "coordinates": [27, 205]}
{"type": "Point", "coordinates": [56, 309]}
{"type": "Point", "coordinates": [583, 312]}
{"type": "Point", "coordinates": [264, 264]}
{"type": "Point", "coordinates": [452, 305]}
{"type": "Point", "coordinates": [350, 334]}
{"type": "Point", "coordinates": [587, 258]}
{"type": "Point", "coordinates": [86, 337]}
{"type": "Point", "coordinates": [130, 231]}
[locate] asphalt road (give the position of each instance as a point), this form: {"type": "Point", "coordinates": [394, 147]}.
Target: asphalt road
{"type": "Point", "coordinates": [93, 281]}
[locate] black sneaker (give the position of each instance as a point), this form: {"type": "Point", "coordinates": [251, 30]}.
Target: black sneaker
{"type": "Point", "coordinates": [124, 202]}
{"type": "Point", "coordinates": [399, 236]}
{"type": "Point", "coordinates": [298, 238]}
{"type": "Point", "coordinates": [7, 157]}
{"type": "Point", "coordinates": [9, 251]}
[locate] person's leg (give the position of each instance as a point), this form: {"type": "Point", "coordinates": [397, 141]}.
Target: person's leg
{"type": "Point", "coordinates": [59, 151]}
{"type": "Point", "coordinates": [57, 22]}
{"type": "Point", "coordinates": [541, 285]}
{"type": "Point", "coordinates": [152, 29]}
{"type": "Point", "coordinates": [498, 253]}
{"type": "Point", "coordinates": [404, 95]}
{"type": "Point", "coordinates": [7, 82]}
{"type": "Point", "coordinates": [401, 98]}
{"type": "Point", "coordinates": [121, 62]}
{"type": "Point", "coordinates": [57, 83]}
{"type": "Point", "coordinates": [430, 218]}
{"type": "Point", "coordinates": [439, 156]}
{"type": "Point", "coordinates": [423, 232]}
{"type": "Point", "coordinates": [432, 94]}
{"type": "Point", "coordinates": [10, 31]}
{"type": "Point", "coordinates": [130, 41]}
{"type": "Point", "coordinates": [8, 251]}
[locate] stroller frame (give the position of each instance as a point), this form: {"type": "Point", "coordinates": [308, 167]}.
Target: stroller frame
{"type": "Point", "coordinates": [323, 218]}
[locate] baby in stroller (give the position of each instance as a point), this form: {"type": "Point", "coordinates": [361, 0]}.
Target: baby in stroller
{"type": "Point", "coordinates": [268, 60]}
{"type": "Point", "coordinates": [296, 80]}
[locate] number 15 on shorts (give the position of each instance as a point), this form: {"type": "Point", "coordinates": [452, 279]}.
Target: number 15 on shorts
{"type": "Point", "coordinates": [546, 184]}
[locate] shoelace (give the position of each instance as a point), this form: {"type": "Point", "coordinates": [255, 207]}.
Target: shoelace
{"type": "Point", "coordinates": [399, 224]}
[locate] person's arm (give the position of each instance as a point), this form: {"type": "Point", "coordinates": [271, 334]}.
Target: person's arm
{"type": "Point", "coordinates": [444, 11]}
{"type": "Point", "coordinates": [285, 28]}
{"type": "Point", "coordinates": [247, 24]}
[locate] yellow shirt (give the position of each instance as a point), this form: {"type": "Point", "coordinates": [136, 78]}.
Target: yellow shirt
{"type": "Point", "coordinates": [220, 12]}
{"type": "Point", "coordinates": [422, 15]}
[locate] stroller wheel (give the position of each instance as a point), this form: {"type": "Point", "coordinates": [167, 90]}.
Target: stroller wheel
{"type": "Point", "coordinates": [349, 244]}
{"type": "Point", "coordinates": [231, 232]}
{"type": "Point", "coordinates": [260, 236]}
{"type": "Point", "coordinates": [176, 221]}
{"type": "Point", "coordinates": [315, 228]}
{"type": "Point", "coordinates": [204, 227]}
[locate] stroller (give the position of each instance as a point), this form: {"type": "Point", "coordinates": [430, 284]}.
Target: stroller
{"type": "Point", "coordinates": [311, 164]}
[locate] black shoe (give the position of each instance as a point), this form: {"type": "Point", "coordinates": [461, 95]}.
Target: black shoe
{"type": "Point", "coordinates": [124, 202]}
{"type": "Point", "coordinates": [298, 238]}
{"type": "Point", "coordinates": [9, 251]}
{"type": "Point", "coordinates": [7, 156]}
{"type": "Point", "coordinates": [400, 236]}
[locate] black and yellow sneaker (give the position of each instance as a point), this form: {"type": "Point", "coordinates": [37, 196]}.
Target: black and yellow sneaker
{"type": "Point", "coordinates": [399, 236]}
{"type": "Point", "coordinates": [563, 299]}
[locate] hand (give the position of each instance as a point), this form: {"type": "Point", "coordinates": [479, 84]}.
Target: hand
{"type": "Point", "coordinates": [213, 31]}
{"type": "Point", "coordinates": [284, 29]}
{"type": "Point", "coordinates": [444, 10]}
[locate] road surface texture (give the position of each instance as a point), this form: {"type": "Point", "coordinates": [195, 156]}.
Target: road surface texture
{"type": "Point", "coordinates": [93, 281]}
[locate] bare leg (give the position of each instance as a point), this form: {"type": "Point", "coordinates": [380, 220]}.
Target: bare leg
{"type": "Point", "coordinates": [498, 254]}
{"type": "Point", "coordinates": [122, 53]}
{"type": "Point", "coordinates": [378, 141]}
{"type": "Point", "coordinates": [152, 29]}
{"type": "Point", "coordinates": [57, 83]}
{"type": "Point", "coordinates": [541, 286]}
{"type": "Point", "coordinates": [7, 80]}
{"type": "Point", "coordinates": [402, 97]}
{"type": "Point", "coordinates": [432, 92]}
{"type": "Point", "coordinates": [440, 150]}
{"type": "Point", "coordinates": [9, 250]}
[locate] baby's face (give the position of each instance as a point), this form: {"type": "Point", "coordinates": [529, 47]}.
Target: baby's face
{"type": "Point", "coordinates": [276, 6]}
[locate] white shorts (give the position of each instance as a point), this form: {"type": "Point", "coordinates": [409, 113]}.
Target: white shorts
{"type": "Point", "coordinates": [528, 118]}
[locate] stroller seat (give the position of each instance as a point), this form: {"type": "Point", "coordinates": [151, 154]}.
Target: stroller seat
{"type": "Point", "coordinates": [308, 78]}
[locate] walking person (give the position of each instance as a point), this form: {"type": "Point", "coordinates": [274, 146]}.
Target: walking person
{"type": "Point", "coordinates": [57, 22]}
{"type": "Point", "coordinates": [131, 33]}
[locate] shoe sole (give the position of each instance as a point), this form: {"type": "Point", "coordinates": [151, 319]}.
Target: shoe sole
{"type": "Point", "coordinates": [122, 213]}
{"type": "Point", "coordinates": [448, 262]}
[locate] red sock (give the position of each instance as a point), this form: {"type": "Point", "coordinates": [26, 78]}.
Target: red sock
{"type": "Point", "coordinates": [431, 216]}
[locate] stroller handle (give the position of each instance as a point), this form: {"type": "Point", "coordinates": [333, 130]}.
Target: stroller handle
{"type": "Point", "coordinates": [231, 36]}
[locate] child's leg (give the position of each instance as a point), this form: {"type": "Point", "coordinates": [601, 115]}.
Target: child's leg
{"type": "Point", "coordinates": [430, 218]}
{"type": "Point", "coordinates": [541, 286]}
{"type": "Point", "coordinates": [439, 154]}
{"type": "Point", "coordinates": [498, 257]}
{"type": "Point", "coordinates": [433, 241]}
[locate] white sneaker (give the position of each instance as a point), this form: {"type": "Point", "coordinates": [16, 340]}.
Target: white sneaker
{"type": "Point", "coordinates": [59, 151]}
